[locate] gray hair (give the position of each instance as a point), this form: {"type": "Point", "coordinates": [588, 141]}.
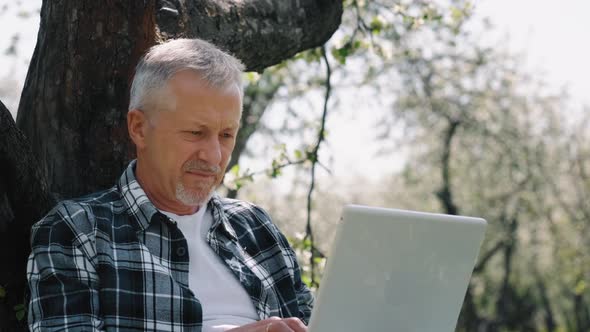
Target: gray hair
{"type": "Point", "coordinates": [161, 62]}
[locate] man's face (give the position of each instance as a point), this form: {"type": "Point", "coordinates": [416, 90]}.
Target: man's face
{"type": "Point", "coordinates": [187, 148]}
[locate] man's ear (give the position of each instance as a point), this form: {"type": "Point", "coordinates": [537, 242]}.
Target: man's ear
{"type": "Point", "coordinates": [137, 123]}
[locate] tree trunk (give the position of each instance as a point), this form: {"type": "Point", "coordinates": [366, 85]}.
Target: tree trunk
{"type": "Point", "coordinates": [75, 98]}
{"type": "Point", "coordinates": [581, 314]}
{"type": "Point", "coordinates": [550, 324]}
{"type": "Point", "coordinates": [469, 319]}
{"type": "Point", "coordinates": [24, 199]}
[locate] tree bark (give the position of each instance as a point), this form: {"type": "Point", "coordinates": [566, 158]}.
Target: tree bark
{"type": "Point", "coordinates": [75, 98]}
{"type": "Point", "coordinates": [261, 33]}
{"type": "Point", "coordinates": [24, 199]}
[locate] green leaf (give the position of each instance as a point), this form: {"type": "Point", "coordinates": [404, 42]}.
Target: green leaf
{"type": "Point", "coordinates": [20, 315]}
{"type": "Point", "coordinates": [280, 147]}
{"type": "Point", "coordinates": [275, 172]}
{"type": "Point", "coordinates": [2, 292]}
{"type": "Point", "coordinates": [239, 184]}
{"type": "Point", "coordinates": [580, 287]}
{"type": "Point", "coordinates": [341, 53]}
{"type": "Point", "coordinates": [408, 21]}
{"type": "Point", "coordinates": [21, 310]}
{"type": "Point", "coordinates": [252, 77]}
{"type": "Point", "coordinates": [235, 170]}
{"type": "Point", "coordinates": [356, 45]}
{"type": "Point", "coordinates": [275, 163]}
{"type": "Point", "coordinates": [457, 14]}
{"type": "Point", "coordinates": [376, 25]}
{"type": "Point", "coordinates": [306, 279]}
{"type": "Point", "coordinates": [313, 55]}
{"type": "Point", "coordinates": [311, 156]}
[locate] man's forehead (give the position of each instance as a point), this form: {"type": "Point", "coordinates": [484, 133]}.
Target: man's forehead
{"type": "Point", "coordinates": [225, 123]}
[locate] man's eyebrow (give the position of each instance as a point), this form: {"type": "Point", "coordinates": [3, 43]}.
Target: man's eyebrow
{"type": "Point", "coordinates": [234, 126]}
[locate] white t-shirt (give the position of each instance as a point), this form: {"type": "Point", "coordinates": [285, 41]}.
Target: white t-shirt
{"type": "Point", "coordinates": [224, 301]}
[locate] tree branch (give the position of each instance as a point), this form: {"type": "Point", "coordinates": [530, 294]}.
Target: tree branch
{"type": "Point", "coordinates": [321, 136]}
{"type": "Point", "coordinates": [487, 256]}
{"type": "Point", "coordinates": [444, 194]}
{"type": "Point", "coordinates": [259, 32]}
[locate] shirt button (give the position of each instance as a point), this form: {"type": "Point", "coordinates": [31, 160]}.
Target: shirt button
{"type": "Point", "coordinates": [180, 251]}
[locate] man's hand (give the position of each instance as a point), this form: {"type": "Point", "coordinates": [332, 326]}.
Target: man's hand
{"type": "Point", "coordinates": [273, 324]}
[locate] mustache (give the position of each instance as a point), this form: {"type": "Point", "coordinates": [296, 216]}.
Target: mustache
{"type": "Point", "coordinates": [201, 166]}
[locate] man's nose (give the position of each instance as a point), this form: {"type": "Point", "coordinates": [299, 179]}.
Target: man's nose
{"type": "Point", "coordinates": [210, 151]}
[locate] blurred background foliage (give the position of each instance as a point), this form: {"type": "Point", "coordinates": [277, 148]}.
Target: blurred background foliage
{"type": "Point", "coordinates": [476, 135]}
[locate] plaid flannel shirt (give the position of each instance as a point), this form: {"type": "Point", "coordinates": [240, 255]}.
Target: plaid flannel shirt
{"type": "Point", "coordinates": [112, 261]}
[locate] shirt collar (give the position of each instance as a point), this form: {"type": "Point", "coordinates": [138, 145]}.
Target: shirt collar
{"type": "Point", "coordinates": [136, 200]}
{"type": "Point", "coordinates": [219, 216]}
{"type": "Point", "coordinates": [140, 207]}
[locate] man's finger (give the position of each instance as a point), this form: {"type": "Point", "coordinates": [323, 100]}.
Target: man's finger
{"type": "Point", "coordinates": [295, 324]}
{"type": "Point", "coordinates": [278, 326]}
{"type": "Point", "coordinates": [258, 326]}
{"type": "Point", "coordinates": [274, 324]}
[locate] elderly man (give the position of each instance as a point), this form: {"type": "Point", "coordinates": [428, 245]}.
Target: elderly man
{"type": "Point", "coordinates": [160, 251]}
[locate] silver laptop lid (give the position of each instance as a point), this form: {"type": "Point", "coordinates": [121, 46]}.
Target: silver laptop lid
{"type": "Point", "coordinates": [395, 270]}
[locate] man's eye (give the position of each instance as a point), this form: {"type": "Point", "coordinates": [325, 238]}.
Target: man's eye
{"type": "Point", "coordinates": [227, 135]}
{"type": "Point", "coordinates": [195, 133]}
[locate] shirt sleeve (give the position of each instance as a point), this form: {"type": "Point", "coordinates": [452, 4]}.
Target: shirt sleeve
{"type": "Point", "coordinates": [62, 278]}
{"type": "Point", "coordinates": [305, 298]}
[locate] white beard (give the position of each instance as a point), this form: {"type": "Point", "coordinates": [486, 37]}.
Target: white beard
{"type": "Point", "coordinates": [195, 197]}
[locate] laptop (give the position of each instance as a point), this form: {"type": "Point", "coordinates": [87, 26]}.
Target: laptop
{"type": "Point", "coordinates": [396, 270]}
